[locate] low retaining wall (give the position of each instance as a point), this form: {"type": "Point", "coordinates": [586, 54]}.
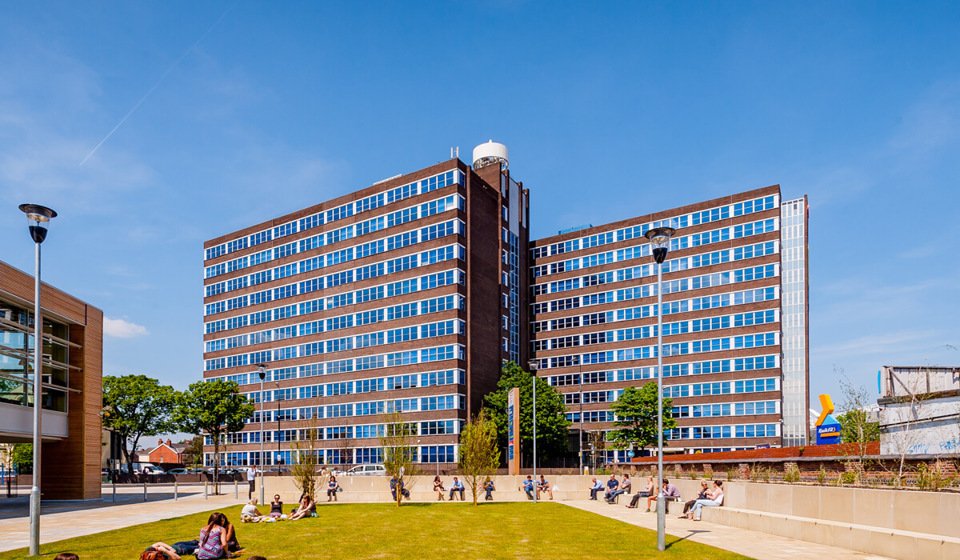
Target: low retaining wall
{"type": "Point", "coordinates": [905, 524]}
{"type": "Point", "coordinates": [369, 489]}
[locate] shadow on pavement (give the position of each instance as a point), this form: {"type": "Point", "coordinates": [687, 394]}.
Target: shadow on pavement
{"type": "Point", "coordinates": [688, 535]}
{"type": "Point", "coordinates": [19, 506]}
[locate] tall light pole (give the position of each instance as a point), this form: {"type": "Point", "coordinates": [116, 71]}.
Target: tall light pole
{"type": "Point", "coordinates": [660, 240]}
{"type": "Point", "coordinates": [580, 435]}
{"type": "Point", "coordinates": [262, 371]}
{"type": "Point", "coordinates": [532, 364]}
{"type": "Point", "coordinates": [37, 216]}
{"type": "Point", "coordinates": [278, 427]}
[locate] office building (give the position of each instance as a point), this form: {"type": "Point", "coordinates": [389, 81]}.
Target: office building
{"type": "Point", "coordinates": [72, 373]}
{"type": "Point", "coordinates": [734, 320]}
{"type": "Point", "coordinates": [403, 297]}
{"type": "Point", "coordinates": [408, 295]}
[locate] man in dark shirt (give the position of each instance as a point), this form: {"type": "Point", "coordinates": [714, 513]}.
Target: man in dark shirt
{"type": "Point", "coordinates": [612, 486]}
{"type": "Point", "coordinates": [625, 487]}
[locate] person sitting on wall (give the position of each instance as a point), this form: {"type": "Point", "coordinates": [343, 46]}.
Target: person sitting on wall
{"type": "Point", "coordinates": [544, 487]}
{"type": "Point", "coordinates": [645, 493]}
{"type": "Point", "coordinates": [395, 485]}
{"type": "Point", "coordinates": [612, 486]}
{"type": "Point", "coordinates": [528, 487]}
{"type": "Point", "coordinates": [456, 488]}
{"type": "Point", "coordinates": [488, 487]}
{"type": "Point", "coordinates": [670, 492]}
{"type": "Point", "coordinates": [703, 495]}
{"type": "Point", "coordinates": [332, 488]}
{"type": "Point", "coordinates": [438, 488]}
{"type": "Point", "coordinates": [595, 488]}
{"type": "Point", "coordinates": [714, 499]}
{"type": "Point", "coordinates": [624, 488]}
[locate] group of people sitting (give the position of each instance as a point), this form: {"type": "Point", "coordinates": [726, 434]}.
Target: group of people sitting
{"type": "Point", "coordinates": [457, 489]}
{"type": "Point", "coordinates": [306, 507]}
{"type": "Point", "coordinates": [541, 487]}
{"type": "Point", "coordinates": [614, 488]}
{"type": "Point", "coordinates": [708, 497]}
{"type": "Point", "coordinates": [218, 539]}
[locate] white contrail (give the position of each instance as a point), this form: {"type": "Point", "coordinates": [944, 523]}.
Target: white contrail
{"type": "Point", "coordinates": [155, 86]}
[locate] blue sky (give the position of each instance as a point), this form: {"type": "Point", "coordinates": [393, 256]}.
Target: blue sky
{"type": "Point", "coordinates": [151, 127]}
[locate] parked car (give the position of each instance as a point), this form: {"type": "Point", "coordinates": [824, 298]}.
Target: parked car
{"type": "Point", "coordinates": [367, 470]}
{"type": "Point", "coordinates": [146, 468]}
{"type": "Point", "coordinates": [179, 470]}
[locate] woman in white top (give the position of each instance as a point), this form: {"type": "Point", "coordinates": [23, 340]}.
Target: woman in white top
{"type": "Point", "coordinates": [250, 513]}
{"type": "Point", "coordinates": [714, 499]}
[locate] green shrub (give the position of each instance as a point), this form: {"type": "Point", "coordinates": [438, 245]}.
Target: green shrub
{"type": "Point", "coordinates": [791, 474]}
{"type": "Point", "coordinates": [933, 478]}
{"type": "Point", "coordinates": [822, 475]}
{"type": "Point", "coordinates": [847, 477]}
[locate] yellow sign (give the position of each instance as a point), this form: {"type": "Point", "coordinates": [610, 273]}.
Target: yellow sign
{"type": "Point", "coordinates": [827, 403]}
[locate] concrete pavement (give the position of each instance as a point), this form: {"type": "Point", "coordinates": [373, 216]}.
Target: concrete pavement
{"type": "Point", "coordinates": [762, 546]}
{"type": "Point", "coordinates": [65, 520]}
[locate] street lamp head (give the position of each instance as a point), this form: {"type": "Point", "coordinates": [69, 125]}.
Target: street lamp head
{"type": "Point", "coordinates": [532, 365]}
{"type": "Point", "coordinates": [660, 240]}
{"type": "Point", "coordinates": [38, 216]}
{"type": "Point", "coordinates": [262, 371]}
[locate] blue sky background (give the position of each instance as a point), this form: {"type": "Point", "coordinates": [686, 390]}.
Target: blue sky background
{"type": "Point", "coordinates": [230, 114]}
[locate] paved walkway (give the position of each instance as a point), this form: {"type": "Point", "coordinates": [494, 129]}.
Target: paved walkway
{"type": "Point", "coordinates": [65, 520]}
{"type": "Point", "coordinates": [749, 543]}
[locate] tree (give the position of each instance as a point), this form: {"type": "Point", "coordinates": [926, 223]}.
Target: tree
{"type": "Point", "coordinates": [597, 443]}
{"type": "Point", "coordinates": [636, 412]}
{"type": "Point", "coordinates": [399, 452]}
{"type": "Point", "coordinates": [135, 406]}
{"type": "Point", "coordinates": [215, 408]}
{"type": "Point", "coordinates": [193, 451]}
{"type": "Point", "coordinates": [304, 471]}
{"type": "Point", "coordinates": [479, 451]}
{"type": "Point", "coordinates": [22, 457]}
{"type": "Point", "coordinates": [856, 428]}
{"type": "Point", "coordinates": [552, 421]}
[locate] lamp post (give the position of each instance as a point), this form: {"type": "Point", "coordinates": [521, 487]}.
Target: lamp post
{"type": "Point", "coordinates": [37, 217]}
{"type": "Point", "coordinates": [279, 456]}
{"type": "Point", "coordinates": [580, 434]}
{"type": "Point", "coordinates": [532, 364]}
{"type": "Point", "coordinates": [660, 240]}
{"type": "Point", "coordinates": [262, 371]}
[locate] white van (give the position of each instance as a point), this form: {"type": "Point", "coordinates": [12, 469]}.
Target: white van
{"type": "Point", "coordinates": [367, 470]}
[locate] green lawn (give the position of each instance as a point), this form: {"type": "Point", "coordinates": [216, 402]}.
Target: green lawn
{"type": "Point", "coordinates": [414, 531]}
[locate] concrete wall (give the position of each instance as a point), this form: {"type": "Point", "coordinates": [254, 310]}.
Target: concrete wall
{"type": "Point", "coordinates": [907, 510]}
{"type": "Point", "coordinates": [929, 428]}
{"type": "Point", "coordinates": [367, 489]}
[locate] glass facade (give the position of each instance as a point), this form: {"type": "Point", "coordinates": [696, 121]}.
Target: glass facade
{"type": "Point", "coordinates": [593, 303]}
{"type": "Point", "coordinates": [16, 359]}
{"type": "Point", "coordinates": [793, 286]}
{"type": "Point", "coordinates": [358, 311]}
